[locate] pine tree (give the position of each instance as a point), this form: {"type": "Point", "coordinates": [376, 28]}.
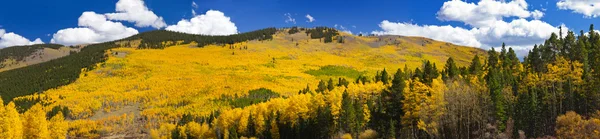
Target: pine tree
{"type": "Point", "coordinates": [348, 113]}
{"type": "Point", "coordinates": [513, 60]}
{"type": "Point", "coordinates": [492, 59]}
{"type": "Point", "coordinates": [495, 91]}
{"type": "Point", "coordinates": [450, 68]}
{"type": "Point", "coordinates": [394, 97]}
{"type": "Point", "coordinates": [504, 56]}
{"type": "Point", "coordinates": [322, 87]}
{"type": "Point", "coordinates": [475, 67]}
{"type": "Point", "coordinates": [330, 84]}
{"type": "Point", "coordinates": [384, 77]}
{"type": "Point", "coordinates": [251, 127]}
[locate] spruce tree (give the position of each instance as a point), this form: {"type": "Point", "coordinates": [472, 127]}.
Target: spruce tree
{"type": "Point", "coordinates": [330, 84]}
{"type": "Point", "coordinates": [450, 68]}
{"type": "Point", "coordinates": [475, 67]}
{"type": "Point", "coordinates": [384, 77]}
{"type": "Point", "coordinates": [322, 87]}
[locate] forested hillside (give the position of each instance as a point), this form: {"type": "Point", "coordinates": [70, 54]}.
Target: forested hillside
{"type": "Point", "coordinates": [65, 70]}
{"type": "Point", "coordinates": [300, 85]}
{"type": "Point", "coordinates": [20, 52]}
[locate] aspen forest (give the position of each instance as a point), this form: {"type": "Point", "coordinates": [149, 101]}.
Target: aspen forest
{"type": "Point", "coordinates": [306, 83]}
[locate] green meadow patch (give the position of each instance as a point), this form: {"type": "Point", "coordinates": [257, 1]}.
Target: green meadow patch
{"type": "Point", "coordinates": [331, 70]}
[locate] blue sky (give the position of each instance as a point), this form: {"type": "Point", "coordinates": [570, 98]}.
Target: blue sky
{"type": "Point", "coordinates": [43, 19]}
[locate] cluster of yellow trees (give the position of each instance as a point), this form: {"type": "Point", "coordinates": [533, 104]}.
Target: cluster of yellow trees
{"type": "Point", "coordinates": [178, 80]}
{"type": "Point", "coordinates": [31, 124]}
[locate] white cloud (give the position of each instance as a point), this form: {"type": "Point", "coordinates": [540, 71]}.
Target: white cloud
{"type": "Point", "coordinates": [136, 11]}
{"type": "Point", "coordinates": [194, 5]}
{"type": "Point", "coordinates": [486, 26]}
{"type": "Point", "coordinates": [289, 18]}
{"type": "Point", "coordinates": [536, 14]}
{"type": "Point", "coordinates": [13, 39]}
{"type": "Point", "coordinates": [485, 12]}
{"type": "Point", "coordinates": [310, 18]}
{"type": "Point", "coordinates": [589, 8]}
{"type": "Point", "coordinates": [343, 29]}
{"type": "Point", "coordinates": [94, 28]}
{"type": "Point", "coordinates": [520, 33]}
{"type": "Point", "coordinates": [212, 23]}
{"type": "Point", "coordinates": [443, 33]}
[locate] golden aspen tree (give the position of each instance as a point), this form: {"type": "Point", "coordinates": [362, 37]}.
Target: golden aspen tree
{"type": "Point", "coordinates": [35, 124]}
{"type": "Point", "coordinates": [3, 120]}
{"type": "Point", "coordinates": [10, 122]}
{"type": "Point", "coordinates": [197, 131]}
{"type": "Point", "coordinates": [433, 108]}
{"type": "Point", "coordinates": [58, 127]}
{"type": "Point", "coordinates": [182, 132]}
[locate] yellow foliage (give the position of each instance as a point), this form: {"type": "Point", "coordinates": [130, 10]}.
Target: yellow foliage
{"type": "Point", "coordinates": [83, 128]}
{"type": "Point", "coordinates": [424, 105]}
{"type": "Point", "coordinates": [182, 79]}
{"type": "Point", "coordinates": [58, 127]}
{"type": "Point", "coordinates": [346, 136]}
{"type": "Point", "coordinates": [196, 130]}
{"type": "Point", "coordinates": [35, 124]}
{"type": "Point", "coordinates": [164, 132]}
{"type": "Point", "coordinates": [573, 126]}
{"type": "Point", "coordinates": [10, 122]}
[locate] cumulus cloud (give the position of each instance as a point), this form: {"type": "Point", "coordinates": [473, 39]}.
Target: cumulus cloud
{"type": "Point", "coordinates": [135, 11]}
{"type": "Point", "coordinates": [485, 12]}
{"type": "Point", "coordinates": [310, 18]}
{"type": "Point", "coordinates": [94, 28]}
{"type": "Point", "coordinates": [212, 23]}
{"type": "Point", "coordinates": [485, 25]}
{"type": "Point", "coordinates": [289, 18]}
{"type": "Point", "coordinates": [589, 8]}
{"type": "Point", "coordinates": [536, 14]}
{"type": "Point", "coordinates": [448, 33]}
{"type": "Point", "coordinates": [13, 39]}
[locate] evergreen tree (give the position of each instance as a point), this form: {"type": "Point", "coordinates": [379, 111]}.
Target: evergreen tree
{"type": "Point", "coordinates": [495, 88]}
{"type": "Point", "coordinates": [504, 56]}
{"type": "Point", "coordinates": [322, 87]}
{"type": "Point", "coordinates": [450, 68]}
{"type": "Point", "coordinates": [492, 59]}
{"type": "Point", "coordinates": [384, 77]}
{"type": "Point", "coordinates": [476, 66]}
{"type": "Point", "coordinates": [251, 127]}
{"type": "Point", "coordinates": [348, 113]}
{"type": "Point", "coordinates": [512, 58]}
{"type": "Point", "coordinates": [330, 84]}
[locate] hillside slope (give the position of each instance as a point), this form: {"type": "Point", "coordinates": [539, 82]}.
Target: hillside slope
{"type": "Point", "coordinates": [162, 85]}
{"type": "Point", "coordinates": [21, 56]}
{"type": "Point", "coordinates": [64, 70]}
